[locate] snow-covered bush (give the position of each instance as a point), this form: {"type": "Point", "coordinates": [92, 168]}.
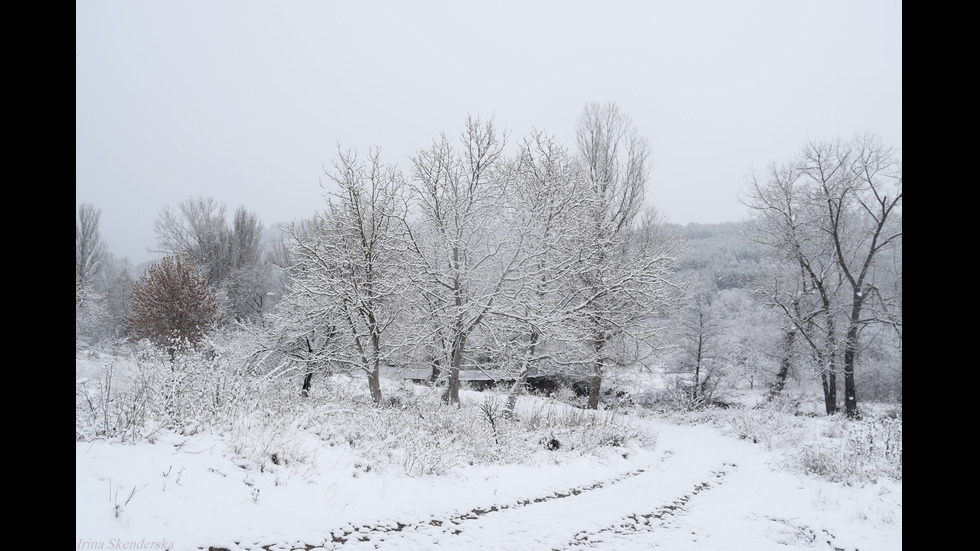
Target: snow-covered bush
{"type": "Point", "coordinates": [439, 439]}
{"type": "Point", "coordinates": [267, 439]}
{"type": "Point", "coordinates": [110, 405]}
{"type": "Point", "coordinates": [673, 395]}
{"type": "Point", "coordinates": [134, 393]}
{"type": "Point", "coordinates": [866, 450]}
{"type": "Point", "coordinates": [560, 427]}
{"type": "Point", "coordinates": [832, 447]}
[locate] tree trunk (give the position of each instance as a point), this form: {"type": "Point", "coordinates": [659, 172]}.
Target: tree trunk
{"type": "Point", "coordinates": [828, 364]}
{"type": "Point", "coordinates": [850, 392]}
{"type": "Point", "coordinates": [705, 391]}
{"type": "Point", "coordinates": [850, 353]}
{"type": "Point", "coordinates": [436, 370]}
{"type": "Point", "coordinates": [787, 362]}
{"type": "Point", "coordinates": [828, 377]}
{"type": "Point", "coordinates": [595, 383]}
{"type": "Point", "coordinates": [306, 384]}
{"type": "Point", "coordinates": [515, 391]}
{"type": "Point", "coordinates": [436, 360]}
{"type": "Point", "coordinates": [309, 374]}
{"type": "Point", "coordinates": [784, 365]}
{"type": "Point", "coordinates": [374, 379]}
{"type": "Point", "coordinates": [451, 396]}
{"type": "Point", "coordinates": [697, 373]}
{"type": "Point", "coordinates": [374, 384]}
{"type": "Point", "coordinates": [518, 388]}
{"type": "Point", "coordinates": [459, 339]}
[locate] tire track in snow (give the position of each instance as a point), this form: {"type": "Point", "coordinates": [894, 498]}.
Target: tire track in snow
{"type": "Point", "coordinates": [651, 521]}
{"type": "Point", "coordinates": [449, 525]}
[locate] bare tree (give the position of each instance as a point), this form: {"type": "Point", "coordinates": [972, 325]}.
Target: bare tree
{"type": "Point", "coordinates": [623, 273]}
{"type": "Point", "coordinates": [851, 193]}
{"type": "Point", "coordinates": [352, 264]}
{"type": "Point", "coordinates": [196, 230]}
{"type": "Point", "coordinates": [463, 246]}
{"type": "Point", "coordinates": [119, 299]}
{"type": "Point", "coordinates": [549, 205]}
{"type": "Point", "coordinates": [90, 258]}
{"type": "Point", "coordinates": [805, 286]}
{"type": "Point", "coordinates": [245, 247]}
{"type": "Point", "coordinates": [90, 249]}
{"type": "Point", "coordinates": [230, 256]}
{"type": "Point", "coordinates": [248, 275]}
{"type": "Point", "coordinates": [860, 186]}
{"type": "Point", "coordinates": [698, 348]}
{"type": "Point", "coordinates": [749, 331]}
{"type": "Point", "coordinates": [298, 335]}
{"type": "Point", "coordinates": [725, 339]}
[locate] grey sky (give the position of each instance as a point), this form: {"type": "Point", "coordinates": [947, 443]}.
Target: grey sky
{"type": "Point", "coordinates": [244, 101]}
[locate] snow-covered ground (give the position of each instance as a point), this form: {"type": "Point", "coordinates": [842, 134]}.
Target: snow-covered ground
{"type": "Point", "coordinates": [693, 486]}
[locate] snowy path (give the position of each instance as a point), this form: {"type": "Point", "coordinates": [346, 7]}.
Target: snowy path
{"type": "Point", "coordinates": [682, 497]}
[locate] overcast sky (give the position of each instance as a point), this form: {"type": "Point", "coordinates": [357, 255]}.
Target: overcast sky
{"type": "Point", "coordinates": [245, 101]}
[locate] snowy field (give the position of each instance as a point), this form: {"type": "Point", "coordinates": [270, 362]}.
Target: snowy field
{"type": "Point", "coordinates": [315, 475]}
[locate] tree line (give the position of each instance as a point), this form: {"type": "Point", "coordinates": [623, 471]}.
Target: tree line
{"type": "Point", "coordinates": [544, 260]}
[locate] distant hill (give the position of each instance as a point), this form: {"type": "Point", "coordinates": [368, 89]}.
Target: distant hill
{"type": "Point", "coordinates": [719, 252]}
